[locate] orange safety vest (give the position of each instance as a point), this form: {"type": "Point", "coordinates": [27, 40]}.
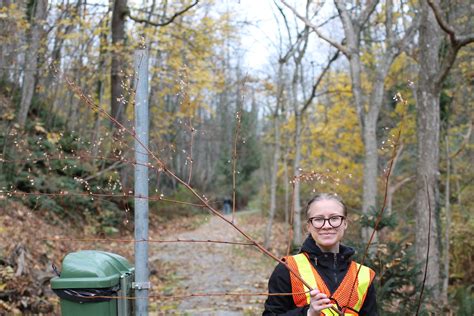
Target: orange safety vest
{"type": "Point", "coordinates": [358, 283]}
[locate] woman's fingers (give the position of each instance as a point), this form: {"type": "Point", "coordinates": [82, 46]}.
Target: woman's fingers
{"type": "Point", "coordinates": [319, 301]}
{"type": "Point", "coordinates": [314, 292]}
{"type": "Point", "coordinates": [325, 306]}
{"type": "Point", "coordinates": [320, 296]}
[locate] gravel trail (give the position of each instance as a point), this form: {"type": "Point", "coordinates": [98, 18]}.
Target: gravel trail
{"type": "Point", "coordinates": [215, 268]}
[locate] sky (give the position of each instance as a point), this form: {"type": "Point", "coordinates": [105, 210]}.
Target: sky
{"type": "Point", "coordinates": [260, 38]}
{"type": "Point", "coordinates": [260, 34]}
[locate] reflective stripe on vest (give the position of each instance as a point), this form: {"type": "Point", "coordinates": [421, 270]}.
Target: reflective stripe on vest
{"type": "Point", "coordinates": [360, 281]}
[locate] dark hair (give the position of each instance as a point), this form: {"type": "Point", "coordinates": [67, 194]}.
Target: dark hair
{"type": "Point", "coordinates": [326, 196]}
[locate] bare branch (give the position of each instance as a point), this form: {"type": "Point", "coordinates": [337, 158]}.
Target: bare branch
{"type": "Point", "coordinates": [400, 183]}
{"type": "Point", "coordinates": [442, 22]}
{"type": "Point", "coordinates": [318, 81]}
{"type": "Point", "coordinates": [457, 40]}
{"type": "Point", "coordinates": [169, 21]}
{"type": "Point", "coordinates": [447, 63]}
{"type": "Point", "coordinates": [464, 40]}
{"type": "Point", "coordinates": [238, 118]}
{"type": "Point", "coordinates": [306, 21]}
{"type": "Point", "coordinates": [369, 9]}
{"type": "Point", "coordinates": [115, 165]}
{"type": "Point", "coordinates": [352, 31]}
{"type": "Point", "coordinates": [160, 241]}
{"type": "Point", "coordinates": [293, 46]}
{"type": "Point", "coordinates": [190, 158]}
{"type": "Point", "coordinates": [286, 23]}
{"type": "Point", "coordinates": [464, 142]}
{"type": "Point", "coordinates": [409, 34]}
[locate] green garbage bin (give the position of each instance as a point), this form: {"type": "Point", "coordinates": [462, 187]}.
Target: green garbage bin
{"type": "Point", "coordinates": [88, 281]}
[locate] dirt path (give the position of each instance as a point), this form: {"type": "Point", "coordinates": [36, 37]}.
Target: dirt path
{"type": "Point", "coordinates": [212, 267]}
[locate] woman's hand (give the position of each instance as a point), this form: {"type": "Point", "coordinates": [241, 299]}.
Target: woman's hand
{"type": "Point", "coordinates": [319, 301]}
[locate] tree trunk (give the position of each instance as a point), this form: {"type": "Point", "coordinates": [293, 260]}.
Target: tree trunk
{"type": "Point", "coordinates": [100, 96]}
{"type": "Point", "coordinates": [297, 228]}
{"type": "Point", "coordinates": [447, 232]}
{"type": "Point", "coordinates": [117, 101]}
{"type": "Point", "coordinates": [427, 183]}
{"type": "Point", "coordinates": [273, 181]}
{"type": "Point", "coordinates": [8, 47]}
{"type": "Point", "coordinates": [427, 173]}
{"type": "Point", "coordinates": [370, 176]}
{"type": "Point", "coordinates": [369, 131]}
{"type": "Point", "coordinates": [56, 56]}
{"type": "Point", "coordinates": [31, 59]}
{"type": "Point", "coordinates": [287, 187]}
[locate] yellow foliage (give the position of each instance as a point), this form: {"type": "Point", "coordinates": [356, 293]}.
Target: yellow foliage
{"type": "Point", "coordinates": [404, 114]}
{"type": "Point", "coordinates": [187, 70]}
{"type": "Point", "coordinates": [331, 142]}
{"type": "Point", "coordinates": [53, 137]}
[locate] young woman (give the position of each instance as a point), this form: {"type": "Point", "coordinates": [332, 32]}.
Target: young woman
{"type": "Point", "coordinates": [337, 282]}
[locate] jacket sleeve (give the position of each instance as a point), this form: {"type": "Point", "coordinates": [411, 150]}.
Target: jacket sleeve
{"type": "Point", "coordinates": [369, 307]}
{"type": "Point", "coordinates": [281, 305]}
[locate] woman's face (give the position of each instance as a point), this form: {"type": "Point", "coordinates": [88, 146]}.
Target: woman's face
{"type": "Point", "coordinates": [327, 237]}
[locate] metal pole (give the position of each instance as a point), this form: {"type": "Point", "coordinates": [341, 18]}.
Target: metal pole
{"type": "Point", "coordinates": [141, 284]}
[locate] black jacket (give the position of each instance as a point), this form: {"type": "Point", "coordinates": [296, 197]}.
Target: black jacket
{"type": "Point", "coordinates": [331, 266]}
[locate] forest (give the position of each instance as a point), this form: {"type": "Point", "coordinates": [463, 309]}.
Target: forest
{"type": "Point", "coordinates": [370, 99]}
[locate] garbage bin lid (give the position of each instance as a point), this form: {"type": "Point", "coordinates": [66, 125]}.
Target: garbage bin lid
{"type": "Point", "coordinates": [91, 269]}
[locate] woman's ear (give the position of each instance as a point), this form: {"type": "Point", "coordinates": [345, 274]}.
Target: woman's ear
{"type": "Point", "coordinates": [346, 223]}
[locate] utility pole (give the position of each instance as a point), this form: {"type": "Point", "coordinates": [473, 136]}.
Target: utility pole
{"type": "Point", "coordinates": [141, 284]}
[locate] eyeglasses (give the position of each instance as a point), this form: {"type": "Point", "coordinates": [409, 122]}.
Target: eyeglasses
{"type": "Point", "coordinates": [334, 221]}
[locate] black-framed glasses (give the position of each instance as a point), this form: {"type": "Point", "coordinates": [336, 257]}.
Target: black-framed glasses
{"type": "Point", "coordinates": [334, 221]}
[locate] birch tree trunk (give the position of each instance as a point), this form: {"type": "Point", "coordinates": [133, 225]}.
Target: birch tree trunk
{"type": "Point", "coordinates": [31, 59]}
